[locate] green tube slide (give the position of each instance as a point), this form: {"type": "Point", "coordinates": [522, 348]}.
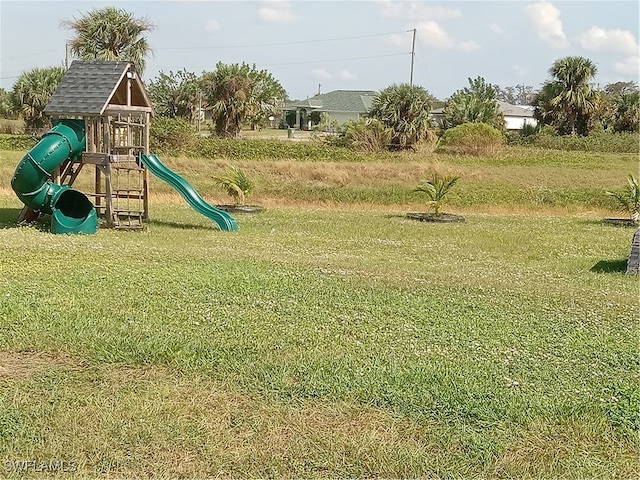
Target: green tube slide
{"type": "Point", "coordinates": [195, 201]}
{"type": "Point", "coordinates": [71, 211]}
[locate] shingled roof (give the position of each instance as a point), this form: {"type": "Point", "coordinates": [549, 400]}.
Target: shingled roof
{"type": "Point", "coordinates": [357, 101]}
{"type": "Point", "coordinates": [90, 86]}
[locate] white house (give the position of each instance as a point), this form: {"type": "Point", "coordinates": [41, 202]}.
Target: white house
{"type": "Point", "coordinates": [515, 116]}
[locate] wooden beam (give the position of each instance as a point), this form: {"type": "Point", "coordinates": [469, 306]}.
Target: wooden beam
{"type": "Point", "coordinates": [113, 109]}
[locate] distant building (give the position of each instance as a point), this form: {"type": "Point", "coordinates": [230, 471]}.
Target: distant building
{"type": "Point", "coordinates": [340, 105]}
{"type": "Point", "coordinates": [515, 116]}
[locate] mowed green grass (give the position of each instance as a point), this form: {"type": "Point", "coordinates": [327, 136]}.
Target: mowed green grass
{"type": "Point", "coordinates": [321, 342]}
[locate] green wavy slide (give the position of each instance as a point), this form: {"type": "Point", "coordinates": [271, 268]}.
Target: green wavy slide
{"type": "Point", "coordinates": [195, 201]}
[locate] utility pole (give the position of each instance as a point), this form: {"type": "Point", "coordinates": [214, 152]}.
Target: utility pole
{"type": "Point", "coordinates": [199, 109]}
{"type": "Point", "coordinates": [66, 56]}
{"type": "Point", "coordinates": [319, 85]}
{"type": "Point", "coordinates": [413, 53]}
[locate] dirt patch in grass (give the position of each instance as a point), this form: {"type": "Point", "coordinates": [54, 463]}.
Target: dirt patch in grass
{"type": "Point", "coordinates": [23, 365]}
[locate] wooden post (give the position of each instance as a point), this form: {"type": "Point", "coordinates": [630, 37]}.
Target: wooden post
{"type": "Point", "coordinates": [108, 198]}
{"type": "Point", "coordinates": [145, 174]}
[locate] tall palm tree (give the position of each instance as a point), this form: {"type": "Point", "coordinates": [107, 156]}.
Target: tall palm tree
{"type": "Point", "coordinates": [575, 95]}
{"type": "Point", "coordinates": [111, 34]}
{"type": "Point", "coordinates": [32, 92]}
{"type": "Point", "coordinates": [406, 110]}
{"type": "Point", "coordinates": [239, 93]}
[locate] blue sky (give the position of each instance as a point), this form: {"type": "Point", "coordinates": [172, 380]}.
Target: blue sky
{"type": "Point", "coordinates": [352, 45]}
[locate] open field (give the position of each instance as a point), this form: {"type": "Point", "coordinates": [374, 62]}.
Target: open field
{"type": "Point", "coordinates": [331, 336]}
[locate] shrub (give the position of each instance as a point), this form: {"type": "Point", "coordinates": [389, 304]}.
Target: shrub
{"type": "Point", "coordinates": [11, 127]}
{"type": "Point", "coordinates": [18, 143]}
{"type": "Point", "coordinates": [436, 189]}
{"type": "Point", "coordinates": [172, 136]}
{"type": "Point", "coordinates": [629, 199]}
{"type": "Point", "coordinates": [236, 183]}
{"type": "Point", "coordinates": [602, 141]}
{"type": "Point", "coordinates": [478, 139]}
{"type": "Point", "coordinates": [368, 135]}
{"type": "Point", "coordinates": [261, 149]}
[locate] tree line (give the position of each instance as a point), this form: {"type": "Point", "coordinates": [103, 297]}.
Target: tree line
{"type": "Point", "coordinates": [240, 95]}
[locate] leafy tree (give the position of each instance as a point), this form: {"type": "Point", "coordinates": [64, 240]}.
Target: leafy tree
{"type": "Point", "coordinates": [619, 88]}
{"type": "Point", "coordinates": [239, 93]}
{"type": "Point", "coordinates": [405, 109]}
{"type": "Point", "coordinates": [175, 95]}
{"type": "Point", "coordinates": [574, 96]}
{"type": "Point", "coordinates": [7, 105]}
{"type": "Point", "coordinates": [515, 95]}
{"type": "Point", "coordinates": [436, 188]}
{"type": "Point", "coordinates": [32, 91]}
{"type": "Point", "coordinates": [473, 104]}
{"type": "Point", "coordinates": [110, 34]}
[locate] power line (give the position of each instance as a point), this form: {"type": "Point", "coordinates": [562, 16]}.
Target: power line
{"type": "Point", "coordinates": [308, 61]}
{"type": "Point", "coordinates": [335, 59]}
{"type": "Point", "coordinates": [279, 44]}
{"type": "Point", "coordinates": [5, 59]}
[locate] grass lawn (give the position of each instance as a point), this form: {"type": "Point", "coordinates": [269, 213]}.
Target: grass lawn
{"type": "Point", "coordinates": [326, 338]}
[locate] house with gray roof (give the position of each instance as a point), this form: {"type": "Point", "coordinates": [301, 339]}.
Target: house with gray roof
{"type": "Point", "coordinates": [340, 105]}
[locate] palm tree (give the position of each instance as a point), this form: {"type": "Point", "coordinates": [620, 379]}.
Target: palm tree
{"type": "Point", "coordinates": [110, 34]}
{"type": "Point", "coordinates": [575, 95]}
{"type": "Point", "coordinates": [627, 112]}
{"type": "Point", "coordinates": [32, 92]}
{"type": "Point", "coordinates": [436, 189]}
{"type": "Point", "coordinates": [238, 93]}
{"type": "Point", "coordinates": [406, 110]}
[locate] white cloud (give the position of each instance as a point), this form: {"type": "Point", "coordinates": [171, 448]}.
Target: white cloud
{"type": "Point", "coordinates": [391, 9]}
{"type": "Point", "coordinates": [346, 75]}
{"type": "Point", "coordinates": [436, 13]}
{"type": "Point", "coordinates": [496, 28]}
{"type": "Point", "coordinates": [629, 66]}
{"type": "Point", "coordinates": [400, 40]}
{"type": "Point", "coordinates": [212, 26]}
{"type": "Point", "coordinates": [321, 74]}
{"type": "Point", "coordinates": [520, 70]}
{"type": "Point", "coordinates": [276, 11]}
{"type": "Point", "coordinates": [416, 11]}
{"type": "Point", "coordinates": [433, 35]}
{"type": "Point", "coordinates": [545, 18]}
{"type": "Point", "coordinates": [598, 39]}
{"type": "Point", "coordinates": [467, 46]}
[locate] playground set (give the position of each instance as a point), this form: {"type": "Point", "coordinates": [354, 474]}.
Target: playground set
{"type": "Point", "coordinates": [101, 115]}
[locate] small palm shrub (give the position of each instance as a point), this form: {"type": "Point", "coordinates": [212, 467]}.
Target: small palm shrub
{"type": "Point", "coordinates": [629, 198]}
{"type": "Point", "coordinates": [479, 139]}
{"type": "Point", "coordinates": [436, 189]}
{"type": "Point", "coordinates": [236, 183]}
